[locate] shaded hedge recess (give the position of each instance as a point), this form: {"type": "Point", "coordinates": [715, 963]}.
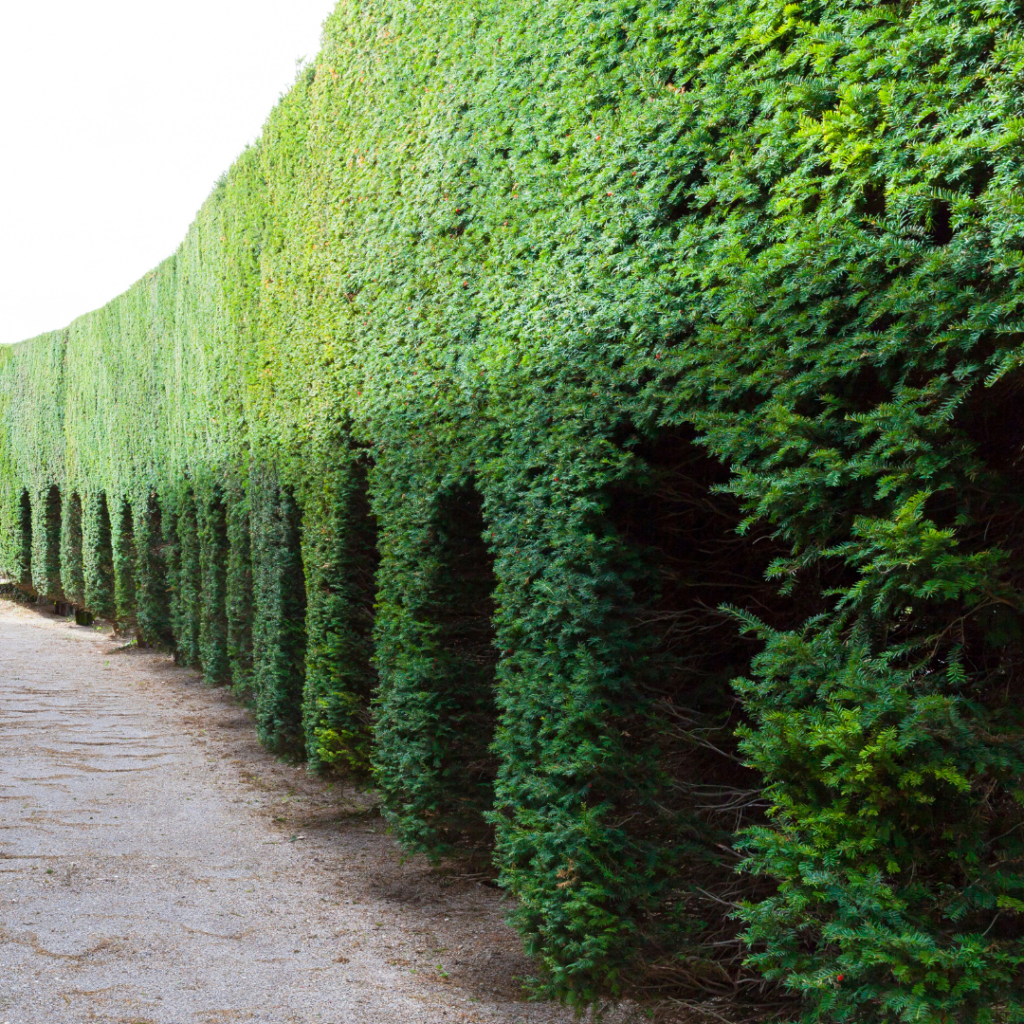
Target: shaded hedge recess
{"type": "Point", "coordinates": [71, 565]}
{"type": "Point", "coordinates": [153, 609]}
{"type": "Point", "coordinates": [46, 545]}
{"type": "Point", "coordinates": [279, 599]}
{"type": "Point", "coordinates": [98, 557]}
{"type": "Point", "coordinates": [125, 560]}
{"type": "Point", "coordinates": [339, 553]}
{"type": "Point", "coordinates": [601, 422]}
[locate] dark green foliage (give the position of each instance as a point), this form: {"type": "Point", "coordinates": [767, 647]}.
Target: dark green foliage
{"type": "Point", "coordinates": [339, 551]}
{"type": "Point", "coordinates": [125, 559]}
{"type": "Point", "coordinates": [691, 295]}
{"type": "Point", "coordinates": [98, 557]}
{"type": "Point", "coordinates": [238, 585]}
{"type": "Point", "coordinates": [682, 559]}
{"type": "Point", "coordinates": [436, 656]}
{"type": "Point", "coordinates": [71, 564]}
{"type": "Point", "coordinates": [153, 610]}
{"type": "Point", "coordinates": [171, 551]}
{"type": "Point", "coordinates": [278, 629]}
{"type": "Point", "coordinates": [186, 585]}
{"type": "Point", "coordinates": [849, 371]}
{"type": "Point", "coordinates": [46, 545]}
{"type": "Point", "coordinates": [213, 562]}
{"type": "Point", "coordinates": [571, 780]}
{"type": "Point", "coordinates": [23, 566]}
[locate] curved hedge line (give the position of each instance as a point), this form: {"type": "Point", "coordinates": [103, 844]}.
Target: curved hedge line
{"type": "Point", "coordinates": [601, 421]}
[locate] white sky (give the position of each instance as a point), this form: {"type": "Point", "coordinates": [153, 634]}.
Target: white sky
{"type": "Point", "coordinates": [118, 116]}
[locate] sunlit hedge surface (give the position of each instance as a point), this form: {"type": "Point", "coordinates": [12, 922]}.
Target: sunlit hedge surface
{"type": "Point", "coordinates": [600, 422]}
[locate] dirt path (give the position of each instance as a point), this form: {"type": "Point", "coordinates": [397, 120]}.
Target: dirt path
{"type": "Point", "coordinates": [157, 866]}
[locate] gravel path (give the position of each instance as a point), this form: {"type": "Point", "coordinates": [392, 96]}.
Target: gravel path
{"type": "Point", "coordinates": [156, 865]}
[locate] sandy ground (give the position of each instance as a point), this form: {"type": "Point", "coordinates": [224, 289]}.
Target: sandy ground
{"type": "Point", "coordinates": [156, 865]}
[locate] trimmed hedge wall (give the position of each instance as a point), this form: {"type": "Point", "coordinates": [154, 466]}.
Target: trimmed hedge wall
{"type": "Point", "coordinates": [601, 421]}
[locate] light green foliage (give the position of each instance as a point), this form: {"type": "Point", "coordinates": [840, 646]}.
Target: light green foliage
{"type": "Point", "coordinates": [625, 305]}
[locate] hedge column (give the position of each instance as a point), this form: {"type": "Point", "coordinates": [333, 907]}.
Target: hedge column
{"type": "Point", "coordinates": [213, 551]}
{"type": "Point", "coordinates": [340, 555]}
{"type": "Point", "coordinates": [125, 563]}
{"type": "Point", "coordinates": [280, 612]}
{"type": "Point", "coordinates": [571, 778]}
{"type": "Point", "coordinates": [71, 555]}
{"type": "Point", "coordinates": [46, 531]}
{"type": "Point", "coordinates": [186, 585]}
{"type": "Point", "coordinates": [435, 705]}
{"type": "Point", "coordinates": [238, 584]}
{"type": "Point", "coordinates": [98, 557]}
{"type": "Point", "coordinates": [153, 611]}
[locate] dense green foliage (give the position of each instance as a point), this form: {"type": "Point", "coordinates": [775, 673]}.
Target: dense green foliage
{"type": "Point", "coordinates": [339, 556]}
{"type": "Point", "coordinates": [279, 598]}
{"type": "Point", "coordinates": [185, 579]}
{"type": "Point", "coordinates": [152, 611]}
{"type": "Point", "coordinates": [72, 580]}
{"type": "Point", "coordinates": [238, 587]}
{"type": "Point", "coordinates": [98, 557]}
{"type": "Point", "coordinates": [601, 421]}
{"type": "Point", "coordinates": [213, 559]}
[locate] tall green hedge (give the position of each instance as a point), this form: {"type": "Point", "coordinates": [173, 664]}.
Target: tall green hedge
{"type": "Point", "coordinates": [602, 421]}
